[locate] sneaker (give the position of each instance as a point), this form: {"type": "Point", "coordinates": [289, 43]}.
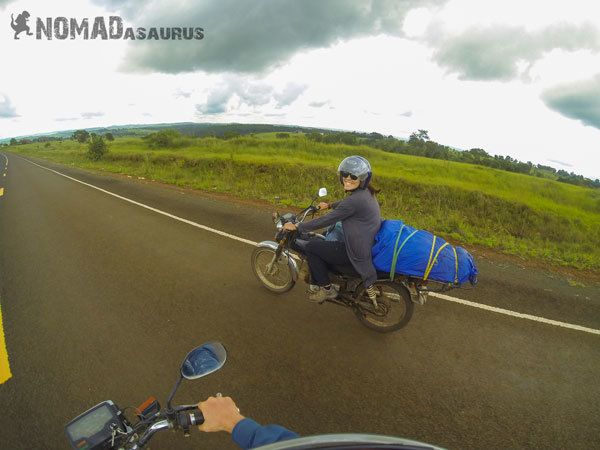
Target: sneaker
{"type": "Point", "coordinates": [313, 288]}
{"type": "Point", "coordinates": [322, 294]}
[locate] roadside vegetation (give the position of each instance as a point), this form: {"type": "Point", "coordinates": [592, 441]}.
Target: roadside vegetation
{"type": "Point", "coordinates": [464, 203]}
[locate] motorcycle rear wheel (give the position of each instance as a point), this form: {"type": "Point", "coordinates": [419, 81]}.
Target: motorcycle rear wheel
{"type": "Point", "coordinates": [280, 278]}
{"type": "Point", "coordinates": [395, 308]}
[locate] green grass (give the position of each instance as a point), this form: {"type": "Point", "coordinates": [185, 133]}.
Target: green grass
{"type": "Point", "coordinates": [467, 204]}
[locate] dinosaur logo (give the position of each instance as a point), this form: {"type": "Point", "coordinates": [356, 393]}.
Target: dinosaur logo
{"type": "Point", "coordinates": [100, 27]}
{"type": "Point", "coordinates": [20, 24]}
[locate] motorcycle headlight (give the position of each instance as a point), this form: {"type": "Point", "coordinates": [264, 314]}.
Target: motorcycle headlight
{"type": "Point", "coordinates": [279, 225]}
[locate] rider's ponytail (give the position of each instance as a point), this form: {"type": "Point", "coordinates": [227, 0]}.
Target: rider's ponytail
{"type": "Point", "coordinates": [373, 190]}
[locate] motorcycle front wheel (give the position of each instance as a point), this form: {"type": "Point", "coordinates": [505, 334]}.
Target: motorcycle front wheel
{"type": "Point", "coordinates": [276, 276]}
{"type": "Point", "coordinates": [394, 307]}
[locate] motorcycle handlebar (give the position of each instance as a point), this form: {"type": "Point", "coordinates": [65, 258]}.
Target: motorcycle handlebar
{"type": "Point", "coordinates": [191, 418]}
{"type": "Point", "coordinates": [307, 210]}
{"type": "Point", "coordinates": [187, 416]}
{"type": "Point", "coordinates": [198, 417]}
{"type": "Point", "coordinates": [154, 428]}
{"type": "Point", "coordinates": [186, 408]}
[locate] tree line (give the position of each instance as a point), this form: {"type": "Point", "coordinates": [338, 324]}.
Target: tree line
{"type": "Point", "coordinates": [419, 144]}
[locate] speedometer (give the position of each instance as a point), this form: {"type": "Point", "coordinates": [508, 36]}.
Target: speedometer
{"type": "Point", "coordinates": [93, 429]}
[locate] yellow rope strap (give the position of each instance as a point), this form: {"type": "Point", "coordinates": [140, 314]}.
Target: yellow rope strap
{"type": "Point", "coordinates": [432, 258]}
{"type": "Point", "coordinates": [456, 265]}
{"type": "Point", "coordinates": [396, 253]}
{"type": "Point", "coordinates": [426, 274]}
{"type": "Point", "coordinates": [432, 262]}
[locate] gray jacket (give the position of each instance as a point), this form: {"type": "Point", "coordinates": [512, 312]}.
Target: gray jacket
{"type": "Point", "coordinates": [361, 218]}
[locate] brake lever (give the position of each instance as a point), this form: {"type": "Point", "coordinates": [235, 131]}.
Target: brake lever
{"type": "Point", "coordinates": [185, 407]}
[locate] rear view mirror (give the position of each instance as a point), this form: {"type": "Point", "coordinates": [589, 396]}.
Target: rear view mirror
{"type": "Point", "coordinates": [322, 192]}
{"type": "Point", "coordinates": [203, 360]}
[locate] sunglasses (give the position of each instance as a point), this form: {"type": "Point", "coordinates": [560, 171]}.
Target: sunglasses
{"type": "Point", "coordinates": [348, 174]}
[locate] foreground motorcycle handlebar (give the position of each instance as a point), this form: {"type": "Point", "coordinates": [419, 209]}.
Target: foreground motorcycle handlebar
{"type": "Point", "coordinates": [184, 420]}
{"type": "Point", "coordinates": [105, 426]}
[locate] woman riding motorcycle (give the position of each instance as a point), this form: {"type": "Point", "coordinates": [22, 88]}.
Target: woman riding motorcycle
{"type": "Point", "coordinates": [359, 214]}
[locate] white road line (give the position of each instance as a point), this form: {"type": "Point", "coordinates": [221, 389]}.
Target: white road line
{"type": "Point", "coordinates": [189, 222]}
{"type": "Point", "coordinates": [249, 242]}
{"type": "Point", "coordinates": [508, 312]}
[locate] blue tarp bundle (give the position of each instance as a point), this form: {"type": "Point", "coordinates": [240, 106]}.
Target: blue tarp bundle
{"type": "Point", "coordinates": [401, 249]}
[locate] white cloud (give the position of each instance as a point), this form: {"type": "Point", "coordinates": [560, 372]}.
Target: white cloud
{"type": "Point", "coordinates": [91, 115]}
{"type": "Point", "coordinates": [234, 91]}
{"type": "Point", "coordinates": [378, 83]}
{"type": "Point", "coordinates": [578, 100]}
{"type": "Point", "coordinates": [417, 21]}
{"type": "Point", "coordinates": [251, 37]}
{"type": "Point", "coordinates": [7, 109]}
{"type": "Point", "coordinates": [503, 52]}
{"type": "Point", "coordinates": [458, 15]}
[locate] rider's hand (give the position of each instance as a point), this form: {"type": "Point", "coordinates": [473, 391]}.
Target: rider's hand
{"type": "Point", "coordinates": [220, 414]}
{"type": "Point", "coordinates": [289, 226]}
{"type": "Point", "coordinates": [324, 205]}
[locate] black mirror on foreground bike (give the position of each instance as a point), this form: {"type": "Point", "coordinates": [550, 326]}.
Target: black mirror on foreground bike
{"type": "Point", "coordinates": [322, 192]}
{"type": "Point", "coordinates": [203, 360]}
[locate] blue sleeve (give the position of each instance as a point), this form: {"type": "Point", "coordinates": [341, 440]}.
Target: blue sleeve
{"type": "Point", "coordinates": [249, 434]}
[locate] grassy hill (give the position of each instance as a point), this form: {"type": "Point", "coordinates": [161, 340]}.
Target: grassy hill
{"type": "Point", "coordinates": [188, 128]}
{"type": "Point", "coordinates": [466, 204]}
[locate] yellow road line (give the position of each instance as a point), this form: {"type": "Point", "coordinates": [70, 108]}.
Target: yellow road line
{"type": "Point", "coordinates": [4, 366]}
{"type": "Point", "coordinates": [1, 192]}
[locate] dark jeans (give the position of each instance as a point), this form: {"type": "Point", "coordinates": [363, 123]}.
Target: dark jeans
{"type": "Point", "coordinates": [323, 255]}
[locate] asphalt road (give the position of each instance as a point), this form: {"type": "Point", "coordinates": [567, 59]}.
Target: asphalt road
{"type": "Point", "coordinates": [101, 299]}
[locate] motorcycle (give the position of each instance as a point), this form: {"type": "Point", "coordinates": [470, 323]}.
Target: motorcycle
{"type": "Point", "coordinates": [105, 425]}
{"type": "Point", "coordinates": [279, 264]}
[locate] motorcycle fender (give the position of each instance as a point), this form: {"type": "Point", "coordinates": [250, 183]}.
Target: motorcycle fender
{"type": "Point", "coordinates": [292, 263]}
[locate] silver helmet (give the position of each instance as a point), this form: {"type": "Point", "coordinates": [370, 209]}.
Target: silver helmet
{"type": "Point", "coordinates": [357, 166]}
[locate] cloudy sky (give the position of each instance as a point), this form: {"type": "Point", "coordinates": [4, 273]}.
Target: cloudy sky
{"type": "Point", "coordinates": [518, 78]}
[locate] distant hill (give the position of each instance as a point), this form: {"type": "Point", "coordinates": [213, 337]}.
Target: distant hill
{"type": "Point", "coordinates": [189, 128]}
{"type": "Point", "coordinates": [418, 144]}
